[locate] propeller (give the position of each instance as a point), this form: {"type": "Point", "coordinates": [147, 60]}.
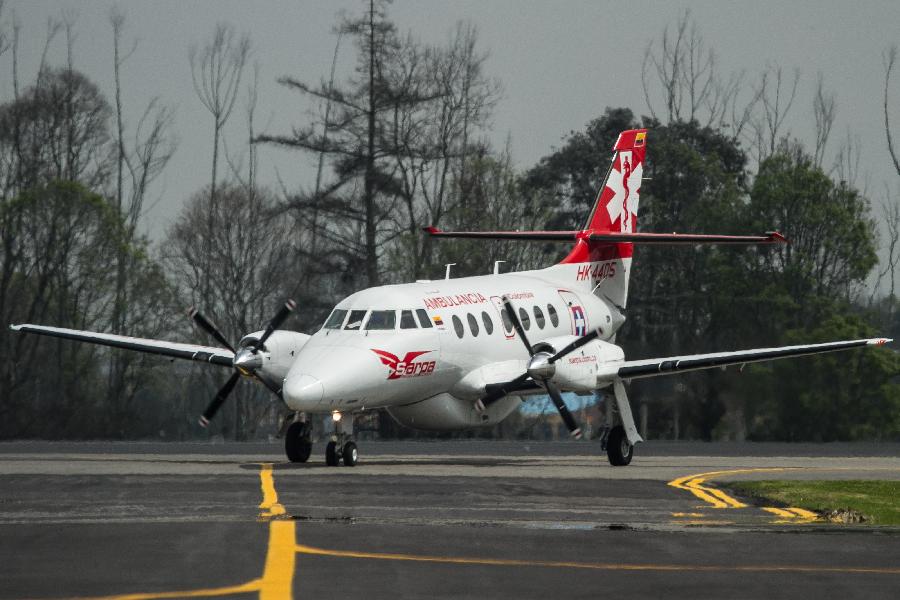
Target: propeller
{"type": "Point", "coordinates": [541, 368]}
{"type": "Point", "coordinates": [246, 360]}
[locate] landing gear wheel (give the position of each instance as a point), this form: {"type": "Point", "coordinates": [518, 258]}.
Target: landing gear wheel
{"type": "Point", "coordinates": [297, 444]}
{"type": "Point", "coordinates": [350, 454]}
{"type": "Point", "coordinates": [331, 455]}
{"type": "Point", "coordinates": [618, 449]}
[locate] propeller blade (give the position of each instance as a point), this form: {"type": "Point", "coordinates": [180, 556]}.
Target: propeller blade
{"type": "Point", "coordinates": [499, 391]}
{"type": "Point", "coordinates": [276, 321]}
{"type": "Point", "coordinates": [216, 403]}
{"type": "Point", "coordinates": [567, 417]}
{"type": "Point", "coordinates": [588, 337]}
{"type": "Point", "coordinates": [517, 324]}
{"type": "Point", "coordinates": [208, 327]}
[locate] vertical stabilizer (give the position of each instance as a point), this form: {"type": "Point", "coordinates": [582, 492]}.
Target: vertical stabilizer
{"type": "Point", "coordinates": [606, 265]}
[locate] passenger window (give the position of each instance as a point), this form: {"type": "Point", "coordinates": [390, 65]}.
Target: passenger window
{"type": "Point", "coordinates": [488, 324]}
{"type": "Point", "coordinates": [382, 320]}
{"type": "Point", "coordinates": [473, 324]}
{"type": "Point", "coordinates": [336, 319]}
{"type": "Point", "coordinates": [524, 319]}
{"type": "Point", "coordinates": [554, 318]}
{"type": "Point", "coordinates": [407, 321]}
{"type": "Point", "coordinates": [424, 321]}
{"type": "Point", "coordinates": [539, 317]}
{"type": "Point", "coordinates": [355, 321]}
{"type": "Point", "coordinates": [458, 326]}
{"type": "Point", "coordinates": [507, 323]}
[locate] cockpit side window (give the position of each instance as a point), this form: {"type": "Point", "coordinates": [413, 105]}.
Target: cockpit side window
{"type": "Point", "coordinates": [336, 319]}
{"type": "Point", "coordinates": [355, 320]}
{"type": "Point", "coordinates": [381, 320]}
{"type": "Point", "coordinates": [407, 321]}
{"type": "Point", "coordinates": [424, 321]}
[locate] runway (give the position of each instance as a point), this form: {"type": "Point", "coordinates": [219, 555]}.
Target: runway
{"type": "Point", "coordinates": [436, 520]}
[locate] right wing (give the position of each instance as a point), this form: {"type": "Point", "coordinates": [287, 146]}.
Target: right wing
{"type": "Point", "coordinates": [216, 356]}
{"type": "Point", "coordinates": [634, 369]}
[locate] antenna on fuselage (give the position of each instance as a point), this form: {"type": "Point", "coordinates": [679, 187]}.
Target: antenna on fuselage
{"type": "Point", "coordinates": [447, 273]}
{"type": "Point", "coordinates": [497, 266]}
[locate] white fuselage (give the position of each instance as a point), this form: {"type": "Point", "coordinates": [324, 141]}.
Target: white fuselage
{"type": "Point", "coordinates": [447, 340]}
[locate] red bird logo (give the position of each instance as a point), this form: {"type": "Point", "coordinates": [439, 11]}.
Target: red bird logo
{"type": "Point", "coordinates": [408, 366]}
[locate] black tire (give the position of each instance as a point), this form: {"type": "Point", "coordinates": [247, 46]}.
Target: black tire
{"type": "Point", "coordinates": [618, 449]}
{"type": "Point", "coordinates": [297, 444]}
{"type": "Point", "coordinates": [350, 454]}
{"type": "Point", "coordinates": [331, 455]}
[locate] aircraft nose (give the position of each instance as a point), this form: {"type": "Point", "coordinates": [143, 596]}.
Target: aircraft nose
{"type": "Point", "coordinates": [303, 391]}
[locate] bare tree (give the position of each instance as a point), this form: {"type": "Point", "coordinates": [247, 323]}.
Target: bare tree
{"type": "Point", "coordinates": [777, 95]}
{"type": "Point", "coordinates": [249, 254]}
{"type": "Point", "coordinates": [684, 70]}
{"type": "Point", "coordinates": [216, 70]}
{"type": "Point", "coordinates": [823, 111]}
{"type": "Point", "coordinates": [889, 58]}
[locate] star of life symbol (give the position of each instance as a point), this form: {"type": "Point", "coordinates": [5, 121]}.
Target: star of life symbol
{"type": "Point", "coordinates": [625, 183]}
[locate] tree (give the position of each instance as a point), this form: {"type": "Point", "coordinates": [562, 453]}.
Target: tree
{"type": "Point", "coordinates": [249, 254]}
{"type": "Point", "coordinates": [216, 70]}
{"type": "Point", "coordinates": [57, 272]}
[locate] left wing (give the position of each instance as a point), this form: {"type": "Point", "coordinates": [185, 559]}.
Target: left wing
{"type": "Point", "coordinates": [217, 356]}
{"type": "Point", "coordinates": [651, 367]}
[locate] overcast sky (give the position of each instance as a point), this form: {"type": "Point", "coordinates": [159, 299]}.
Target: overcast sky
{"type": "Point", "coordinates": [561, 63]}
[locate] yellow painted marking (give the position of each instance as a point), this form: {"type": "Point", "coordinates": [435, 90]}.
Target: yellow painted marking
{"type": "Point", "coordinates": [682, 514]}
{"type": "Point", "coordinates": [503, 562]}
{"type": "Point", "coordinates": [269, 507]}
{"type": "Point", "coordinates": [803, 513]}
{"type": "Point", "coordinates": [714, 496]}
{"type": "Point", "coordinates": [278, 576]}
{"type": "Point", "coordinates": [277, 580]}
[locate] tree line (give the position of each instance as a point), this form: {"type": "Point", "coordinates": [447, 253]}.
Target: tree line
{"type": "Point", "coordinates": [400, 142]}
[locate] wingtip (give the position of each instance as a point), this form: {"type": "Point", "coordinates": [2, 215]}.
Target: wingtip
{"type": "Point", "coordinates": [776, 238]}
{"type": "Point", "coordinates": [880, 341]}
{"type": "Point", "coordinates": [431, 230]}
{"type": "Point", "coordinates": [15, 327]}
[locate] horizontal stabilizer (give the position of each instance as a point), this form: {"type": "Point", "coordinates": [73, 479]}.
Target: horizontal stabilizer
{"type": "Point", "coordinates": [771, 237]}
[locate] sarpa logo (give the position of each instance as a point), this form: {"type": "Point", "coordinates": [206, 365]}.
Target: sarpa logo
{"type": "Point", "coordinates": [408, 366]}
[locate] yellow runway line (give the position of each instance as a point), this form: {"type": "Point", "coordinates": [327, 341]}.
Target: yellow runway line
{"type": "Point", "coordinates": [714, 496]}
{"type": "Point", "coordinates": [502, 562]}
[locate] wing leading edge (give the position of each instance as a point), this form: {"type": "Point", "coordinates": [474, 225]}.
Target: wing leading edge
{"type": "Point", "coordinates": [209, 354]}
{"type": "Point", "coordinates": [635, 369]}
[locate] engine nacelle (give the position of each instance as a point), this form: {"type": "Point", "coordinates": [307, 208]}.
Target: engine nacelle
{"type": "Point", "coordinates": [279, 352]}
{"type": "Point", "coordinates": [585, 368]}
{"type": "Point", "coordinates": [445, 412]}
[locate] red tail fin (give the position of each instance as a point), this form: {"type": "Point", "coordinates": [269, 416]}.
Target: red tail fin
{"type": "Point", "coordinates": [617, 202]}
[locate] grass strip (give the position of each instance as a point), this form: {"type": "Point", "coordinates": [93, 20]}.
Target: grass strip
{"type": "Point", "coordinates": [878, 501]}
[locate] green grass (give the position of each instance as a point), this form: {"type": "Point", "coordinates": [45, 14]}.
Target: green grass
{"type": "Point", "coordinates": [878, 501]}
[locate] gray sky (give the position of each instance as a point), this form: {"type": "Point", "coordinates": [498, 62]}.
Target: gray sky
{"type": "Point", "coordinates": [561, 63]}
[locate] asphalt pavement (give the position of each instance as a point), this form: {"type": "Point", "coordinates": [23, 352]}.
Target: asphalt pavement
{"type": "Point", "coordinates": [431, 520]}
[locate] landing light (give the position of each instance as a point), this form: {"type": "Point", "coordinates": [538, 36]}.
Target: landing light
{"type": "Point", "coordinates": [336, 416]}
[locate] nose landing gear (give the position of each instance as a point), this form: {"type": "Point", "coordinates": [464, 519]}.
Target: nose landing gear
{"type": "Point", "coordinates": [342, 447]}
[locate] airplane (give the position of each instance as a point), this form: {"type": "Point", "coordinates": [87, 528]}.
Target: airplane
{"type": "Point", "coordinates": [455, 354]}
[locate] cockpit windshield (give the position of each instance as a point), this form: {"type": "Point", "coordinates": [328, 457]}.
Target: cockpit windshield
{"type": "Point", "coordinates": [355, 320]}
{"type": "Point", "coordinates": [382, 320]}
{"type": "Point", "coordinates": [377, 320]}
{"type": "Point", "coordinates": [336, 319]}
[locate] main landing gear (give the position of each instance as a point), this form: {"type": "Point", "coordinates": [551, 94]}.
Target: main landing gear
{"type": "Point", "coordinates": [298, 440]}
{"type": "Point", "coordinates": [618, 449]}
